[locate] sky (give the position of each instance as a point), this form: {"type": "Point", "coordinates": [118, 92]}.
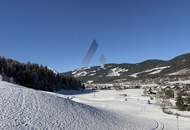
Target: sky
{"type": "Point", "coordinates": [58, 33]}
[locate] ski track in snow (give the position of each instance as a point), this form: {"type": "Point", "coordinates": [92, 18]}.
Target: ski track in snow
{"type": "Point", "coordinates": [18, 108]}
{"type": "Point", "coordinates": [27, 109]}
{"type": "Point", "coordinates": [159, 126]}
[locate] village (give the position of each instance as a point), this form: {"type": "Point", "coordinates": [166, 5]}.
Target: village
{"type": "Point", "coordinates": [172, 96]}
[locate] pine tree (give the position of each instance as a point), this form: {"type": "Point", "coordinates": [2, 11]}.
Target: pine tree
{"type": "Point", "coordinates": [35, 76]}
{"type": "Point", "coordinates": [180, 103]}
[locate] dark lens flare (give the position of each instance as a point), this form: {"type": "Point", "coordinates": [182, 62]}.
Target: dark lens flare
{"type": "Point", "coordinates": [89, 55]}
{"type": "Point", "coordinates": [102, 60]}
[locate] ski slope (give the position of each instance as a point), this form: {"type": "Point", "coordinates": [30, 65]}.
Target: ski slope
{"type": "Point", "coordinates": [26, 109]}
{"type": "Point", "coordinates": [138, 113]}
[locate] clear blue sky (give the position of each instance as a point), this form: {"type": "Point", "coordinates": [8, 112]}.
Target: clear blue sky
{"type": "Point", "coordinates": [58, 33]}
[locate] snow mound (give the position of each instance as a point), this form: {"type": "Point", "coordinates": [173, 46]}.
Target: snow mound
{"type": "Point", "coordinates": [23, 108]}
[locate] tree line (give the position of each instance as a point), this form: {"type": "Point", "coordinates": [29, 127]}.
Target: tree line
{"type": "Point", "coordinates": [35, 76]}
{"type": "Point", "coordinates": [183, 101]}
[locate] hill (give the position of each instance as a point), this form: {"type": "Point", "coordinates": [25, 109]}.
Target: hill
{"type": "Point", "coordinates": [23, 108]}
{"type": "Point", "coordinates": [150, 69]}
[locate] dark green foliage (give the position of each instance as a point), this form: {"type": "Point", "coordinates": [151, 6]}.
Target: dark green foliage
{"type": "Point", "coordinates": [169, 93]}
{"type": "Point", "coordinates": [188, 99]}
{"type": "Point", "coordinates": [188, 103]}
{"type": "Point", "coordinates": [35, 76]}
{"type": "Point", "coordinates": [188, 108]}
{"type": "Point", "coordinates": [180, 103]}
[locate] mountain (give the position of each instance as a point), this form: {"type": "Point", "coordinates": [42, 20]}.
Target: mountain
{"type": "Point", "coordinates": [149, 69]}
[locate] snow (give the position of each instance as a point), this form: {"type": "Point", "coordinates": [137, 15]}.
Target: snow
{"type": "Point", "coordinates": [74, 72]}
{"type": "Point", "coordinates": [23, 108]}
{"type": "Point", "coordinates": [150, 71]}
{"type": "Point", "coordinates": [156, 72]}
{"type": "Point", "coordinates": [54, 71]}
{"type": "Point", "coordinates": [27, 109]}
{"type": "Point", "coordinates": [80, 74]}
{"type": "Point", "coordinates": [180, 72]}
{"type": "Point", "coordinates": [135, 75]}
{"type": "Point", "coordinates": [182, 113]}
{"type": "Point", "coordinates": [158, 69]}
{"type": "Point", "coordinates": [94, 71]}
{"type": "Point", "coordinates": [149, 85]}
{"type": "Point", "coordinates": [80, 71]}
{"type": "Point", "coordinates": [138, 113]}
{"type": "Point", "coordinates": [116, 71]}
{"type": "Point", "coordinates": [92, 74]}
{"type": "Point", "coordinates": [83, 72]}
{"type": "Point", "coordinates": [90, 81]}
{"type": "Point", "coordinates": [180, 82]}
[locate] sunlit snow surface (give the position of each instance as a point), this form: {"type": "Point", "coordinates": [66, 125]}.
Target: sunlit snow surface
{"type": "Point", "coordinates": [137, 112]}
{"type": "Point", "coordinates": [23, 109]}
{"type": "Point", "coordinates": [150, 71]}
{"type": "Point", "coordinates": [181, 72]}
{"type": "Point", "coordinates": [116, 71]}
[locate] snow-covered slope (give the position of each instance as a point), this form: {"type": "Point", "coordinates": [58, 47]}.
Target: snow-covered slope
{"type": "Point", "coordinates": [181, 72]}
{"type": "Point", "coordinates": [54, 71]}
{"type": "Point", "coordinates": [140, 115]}
{"type": "Point", "coordinates": [22, 108]}
{"type": "Point", "coordinates": [116, 71]}
{"type": "Point", "coordinates": [83, 72]}
{"type": "Point", "coordinates": [146, 70]}
{"type": "Point", "coordinates": [150, 71]}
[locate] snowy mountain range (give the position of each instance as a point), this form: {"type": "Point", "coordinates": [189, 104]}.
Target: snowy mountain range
{"type": "Point", "coordinates": [176, 67]}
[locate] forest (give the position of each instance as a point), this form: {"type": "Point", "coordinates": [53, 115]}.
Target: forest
{"type": "Point", "coordinates": [36, 76]}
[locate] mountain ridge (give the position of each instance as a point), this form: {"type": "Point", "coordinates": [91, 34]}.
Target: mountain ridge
{"type": "Point", "coordinates": [152, 68]}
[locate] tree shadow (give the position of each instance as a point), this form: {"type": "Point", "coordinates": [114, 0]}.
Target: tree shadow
{"type": "Point", "coordinates": [76, 92]}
